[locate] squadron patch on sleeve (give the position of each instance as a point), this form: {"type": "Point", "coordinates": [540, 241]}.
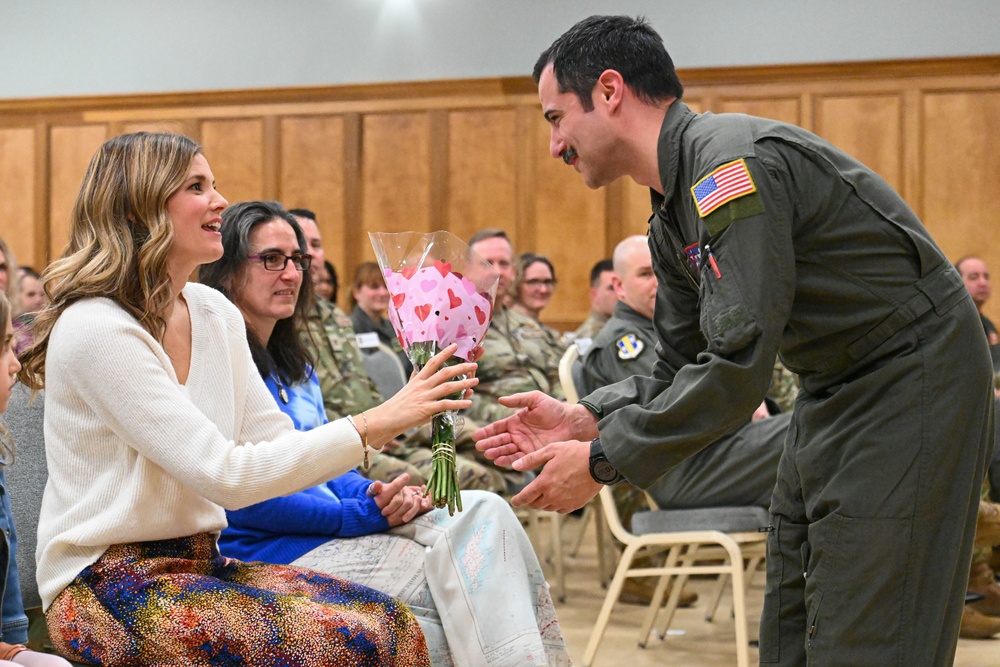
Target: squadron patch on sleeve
{"type": "Point", "coordinates": [629, 346]}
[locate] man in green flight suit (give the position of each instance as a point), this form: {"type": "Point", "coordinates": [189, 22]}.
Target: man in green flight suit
{"type": "Point", "coordinates": [766, 239]}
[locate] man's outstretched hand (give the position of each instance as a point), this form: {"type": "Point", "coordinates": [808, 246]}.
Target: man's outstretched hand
{"type": "Point", "coordinates": [541, 420]}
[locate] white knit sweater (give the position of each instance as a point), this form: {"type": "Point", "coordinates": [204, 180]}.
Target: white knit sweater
{"type": "Point", "coordinates": [135, 456]}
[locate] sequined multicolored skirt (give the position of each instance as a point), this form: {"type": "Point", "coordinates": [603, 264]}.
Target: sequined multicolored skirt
{"type": "Point", "coordinates": [178, 602]}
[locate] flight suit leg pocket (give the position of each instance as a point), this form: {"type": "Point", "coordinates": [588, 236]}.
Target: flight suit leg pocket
{"type": "Point", "coordinates": [784, 613]}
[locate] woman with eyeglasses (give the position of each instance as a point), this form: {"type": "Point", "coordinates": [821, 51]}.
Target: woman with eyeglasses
{"type": "Point", "coordinates": [450, 570]}
{"type": "Point", "coordinates": [156, 422]}
{"type": "Point", "coordinates": [534, 285]}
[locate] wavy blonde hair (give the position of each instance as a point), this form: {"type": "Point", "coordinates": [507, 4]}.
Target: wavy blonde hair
{"type": "Point", "coordinates": [120, 237]}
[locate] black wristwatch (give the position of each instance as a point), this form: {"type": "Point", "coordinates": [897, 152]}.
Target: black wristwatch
{"type": "Point", "coordinates": [600, 468]}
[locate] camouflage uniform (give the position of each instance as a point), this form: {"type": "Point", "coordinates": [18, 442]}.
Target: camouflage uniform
{"type": "Point", "coordinates": [520, 355]}
{"type": "Point", "coordinates": [591, 326]}
{"type": "Point", "coordinates": [784, 387]}
{"type": "Point", "coordinates": [347, 390]}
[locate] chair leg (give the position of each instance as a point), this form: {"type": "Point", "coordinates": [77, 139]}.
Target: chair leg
{"type": "Point", "coordinates": [713, 604]}
{"type": "Point", "coordinates": [675, 594]}
{"type": "Point", "coordinates": [557, 555]}
{"type": "Point", "coordinates": [740, 613]}
{"type": "Point", "coordinates": [588, 509]}
{"type": "Point", "coordinates": [654, 604]}
{"type": "Point", "coordinates": [614, 590]}
{"type": "Point", "coordinates": [604, 544]}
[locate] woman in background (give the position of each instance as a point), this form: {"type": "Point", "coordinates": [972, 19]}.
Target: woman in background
{"type": "Point", "coordinates": [370, 299]}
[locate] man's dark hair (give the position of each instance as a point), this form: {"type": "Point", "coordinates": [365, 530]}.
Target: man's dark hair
{"type": "Point", "coordinates": [284, 352]}
{"type": "Point", "coordinates": [303, 213]}
{"type": "Point", "coordinates": [599, 268]}
{"type": "Point", "coordinates": [622, 43]}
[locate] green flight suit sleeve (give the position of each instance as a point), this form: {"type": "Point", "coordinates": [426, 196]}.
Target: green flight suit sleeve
{"type": "Point", "coordinates": [716, 347]}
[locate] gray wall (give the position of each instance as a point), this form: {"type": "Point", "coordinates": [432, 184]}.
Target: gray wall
{"type": "Point", "coordinates": [83, 47]}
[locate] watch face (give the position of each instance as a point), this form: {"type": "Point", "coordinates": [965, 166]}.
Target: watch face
{"type": "Point", "coordinates": [604, 472]}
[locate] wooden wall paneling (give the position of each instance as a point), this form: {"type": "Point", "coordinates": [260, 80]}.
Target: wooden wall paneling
{"type": "Point", "coordinates": [439, 147]}
{"type": "Point", "coordinates": [188, 127]}
{"type": "Point", "coordinates": [912, 149]}
{"type": "Point", "coordinates": [356, 242]}
{"type": "Point", "coordinates": [71, 148]}
{"type": "Point", "coordinates": [395, 167]}
{"type": "Point", "coordinates": [961, 183]}
{"type": "Point", "coordinates": [867, 127]}
{"type": "Point", "coordinates": [271, 166]}
{"type": "Point", "coordinates": [42, 185]}
{"type": "Point", "coordinates": [17, 196]}
{"type": "Point", "coordinates": [482, 171]}
{"type": "Point", "coordinates": [312, 176]}
{"type": "Point", "coordinates": [637, 209]}
{"type": "Point", "coordinates": [235, 151]}
{"type": "Point", "coordinates": [570, 229]}
{"type": "Point", "coordinates": [528, 120]}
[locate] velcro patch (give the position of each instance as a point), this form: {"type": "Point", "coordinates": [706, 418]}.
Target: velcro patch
{"type": "Point", "coordinates": [629, 346]}
{"type": "Point", "coordinates": [728, 182]}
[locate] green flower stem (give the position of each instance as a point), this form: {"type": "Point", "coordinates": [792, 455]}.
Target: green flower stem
{"type": "Point", "coordinates": [442, 487]}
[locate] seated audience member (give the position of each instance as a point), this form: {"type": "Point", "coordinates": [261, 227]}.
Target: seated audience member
{"type": "Point", "coordinates": [347, 389]}
{"type": "Point", "coordinates": [8, 277]}
{"type": "Point", "coordinates": [602, 300]}
{"type": "Point", "coordinates": [981, 614]}
{"type": "Point", "coordinates": [31, 299]}
{"type": "Point", "coordinates": [326, 282]}
{"type": "Point", "coordinates": [534, 285]}
{"type": "Point", "coordinates": [14, 626]}
{"type": "Point", "coordinates": [520, 354]}
{"type": "Point", "coordinates": [370, 315]}
{"type": "Point", "coordinates": [738, 469]}
{"type": "Point", "coordinates": [448, 569]}
{"type": "Point", "coordinates": [156, 421]}
{"type": "Point", "coordinates": [976, 276]}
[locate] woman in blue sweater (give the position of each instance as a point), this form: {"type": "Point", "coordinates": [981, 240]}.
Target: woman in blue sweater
{"type": "Point", "coordinates": [472, 580]}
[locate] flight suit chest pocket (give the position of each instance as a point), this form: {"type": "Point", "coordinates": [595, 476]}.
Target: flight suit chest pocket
{"type": "Point", "coordinates": [728, 324]}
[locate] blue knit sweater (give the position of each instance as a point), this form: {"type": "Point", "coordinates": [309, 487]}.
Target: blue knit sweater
{"type": "Point", "coordinates": [283, 529]}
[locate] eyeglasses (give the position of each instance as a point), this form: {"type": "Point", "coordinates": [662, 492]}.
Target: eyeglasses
{"type": "Point", "coordinates": [275, 261]}
{"type": "Point", "coordinates": [541, 282]}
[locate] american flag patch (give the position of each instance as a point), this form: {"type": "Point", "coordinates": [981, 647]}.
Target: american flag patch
{"type": "Point", "coordinates": [728, 182]}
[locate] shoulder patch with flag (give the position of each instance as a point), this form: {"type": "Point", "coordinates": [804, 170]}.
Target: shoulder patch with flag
{"type": "Point", "coordinates": [728, 182]}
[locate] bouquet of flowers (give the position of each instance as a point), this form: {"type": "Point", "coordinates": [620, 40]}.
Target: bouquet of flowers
{"type": "Point", "coordinates": [441, 293]}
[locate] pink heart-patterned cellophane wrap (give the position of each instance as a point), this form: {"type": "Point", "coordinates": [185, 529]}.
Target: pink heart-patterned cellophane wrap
{"type": "Point", "coordinates": [441, 307]}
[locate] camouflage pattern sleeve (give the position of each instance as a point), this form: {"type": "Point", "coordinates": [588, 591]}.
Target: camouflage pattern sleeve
{"type": "Point", "coordinates": [337, 360]}
{"type": "Point", "coordinates": [784, 387]}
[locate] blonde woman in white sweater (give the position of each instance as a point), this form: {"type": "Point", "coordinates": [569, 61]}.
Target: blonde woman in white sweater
{"type": "Point", "coordinates": [156, 422]}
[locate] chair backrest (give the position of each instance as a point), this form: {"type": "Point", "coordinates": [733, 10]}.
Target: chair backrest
{"type": "Point", "coordinates": [567, 376]}
{"type": "Point", "coordinates": [26, 478]}
{"type": "Point", "coordinates": [385, 370]}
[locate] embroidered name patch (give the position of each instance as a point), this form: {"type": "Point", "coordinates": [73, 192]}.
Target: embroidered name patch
{"type": "Point", "coordinates": [629, 346]}
{"type": "Point", "coordinates": [728, 182]}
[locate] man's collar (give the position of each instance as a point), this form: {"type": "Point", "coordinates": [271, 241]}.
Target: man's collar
{"type": "Point", "coordinates": [668, 149]}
